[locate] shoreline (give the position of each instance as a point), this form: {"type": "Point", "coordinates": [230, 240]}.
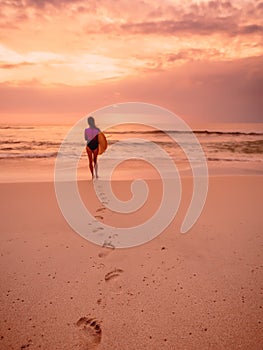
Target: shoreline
{"type": "Point", "coordinates": [125, 179]}
{"type": "Point", "coordinates": [30, 171]}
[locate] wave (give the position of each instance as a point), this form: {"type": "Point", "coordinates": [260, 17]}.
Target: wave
{"type": "Point", "coordinates": [213, 159]}
{"type": "Point", "coordinates": [156, 131]}
{"type": "Point", "coordinates": [205, 132]}
{"type": "Point", "coordinates": [8, 142]}
{"type": "Point", "coordinates": [29, 156]}
{"type": "Point", "coordinates": [38, 143]}
{"type": "Point", "coordinates": [10, 156]}
{"type": "Point", "coordinates": [255, 146]}
{"type": "Point", "coordinates": [16, 127]}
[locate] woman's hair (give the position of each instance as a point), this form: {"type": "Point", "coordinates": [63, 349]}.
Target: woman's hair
{"type": "Point", "coordinates": [91, 122]}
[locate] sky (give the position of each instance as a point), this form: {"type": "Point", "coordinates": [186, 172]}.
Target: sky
{"type": "Point", "coordinates": [63, 59]}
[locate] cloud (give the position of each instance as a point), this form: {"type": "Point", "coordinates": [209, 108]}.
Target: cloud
{"type": "Point", "coordinates": [191, 54]}
{"type": "Point", "coordinates": [38, 3]}
{"type": "Point", "coordinates": [52, 68]}
{"type": "Point", "coordinates": [231, 18]}
{"type": "Point", "coordinates": [15, 65]}
{"type": "Point", "coordinates": [195, 26]}
{"type": "Point", "coordinates": [165, 52]}
{"type": "Point", "coordinates": [177, 18]}
{"type": "Point", "coordinates": [173, 27]}
{"type": "Point", "coordinates": [200, 91]}
{"type": "Point", "coordinates": [251, 29]}
{"type": "Point", "coordinates": [8, 25]}
{"type": "Point", "coordinates": [10, 56]}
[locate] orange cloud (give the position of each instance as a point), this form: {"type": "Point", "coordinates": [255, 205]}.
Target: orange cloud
{"type": "Point", "coordinates": [170, 52]}
{"type": "Point", "coordinates": [200, 91]}
{"type": "Point", "coordinates": [14, 65]}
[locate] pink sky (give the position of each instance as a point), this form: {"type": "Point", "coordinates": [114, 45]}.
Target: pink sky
{"type": "Point", "coordinates": [62, 59]}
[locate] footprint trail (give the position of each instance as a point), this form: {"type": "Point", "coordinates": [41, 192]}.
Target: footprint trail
{"type": "Point", "coordinates": [89, 333]}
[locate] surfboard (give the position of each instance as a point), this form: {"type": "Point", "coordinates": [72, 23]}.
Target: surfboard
{"type": "Point", "coordinates": [103, 144]}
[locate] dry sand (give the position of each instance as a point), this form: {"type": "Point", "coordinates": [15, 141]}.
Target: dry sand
{"type": "Point", "coordinates": [201, 290]}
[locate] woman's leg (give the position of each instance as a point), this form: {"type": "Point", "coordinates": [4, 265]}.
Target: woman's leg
{"type": "Point", "coordinates": [95, 156]}
{"type": "Point", "coordinates": [89, 153]}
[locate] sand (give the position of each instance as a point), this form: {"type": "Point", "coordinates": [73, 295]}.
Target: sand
{"type": "Point", "coordinates": [200, 290]}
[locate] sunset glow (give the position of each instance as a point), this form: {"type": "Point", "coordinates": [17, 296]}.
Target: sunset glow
{"type": "Point", "coordinates": [202, 59]}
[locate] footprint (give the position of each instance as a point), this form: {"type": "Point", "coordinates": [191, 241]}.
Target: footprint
{"type": "Point", "coordinates": [107, 248]}
{"type": "Point", "coordinates": [112, 274]}
{"type": "Point", "coordinates": [25, 346]}
{"type": "Point", "coordinates": [97, 229]}
{"type": "Point", "coordinates": [90, 333]}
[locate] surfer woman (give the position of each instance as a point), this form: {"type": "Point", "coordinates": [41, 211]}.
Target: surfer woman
{"type": "Point", "coordinates": [92, 148]}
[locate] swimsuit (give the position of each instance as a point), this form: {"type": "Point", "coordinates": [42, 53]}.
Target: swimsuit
{"type": "Point", "coordinates": [91, 135]}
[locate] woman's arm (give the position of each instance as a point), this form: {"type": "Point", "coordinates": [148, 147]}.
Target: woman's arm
{"type": "Point", "coordinates": [85, 135]}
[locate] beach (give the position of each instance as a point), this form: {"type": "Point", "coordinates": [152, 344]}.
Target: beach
{"type": "Point", "coordinates": [159, 244]}
{"type": "Point", "coordinates": [199, 290]}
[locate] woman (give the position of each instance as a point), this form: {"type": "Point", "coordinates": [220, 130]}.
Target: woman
{"type": "Point", "coordinates": [91, 136]}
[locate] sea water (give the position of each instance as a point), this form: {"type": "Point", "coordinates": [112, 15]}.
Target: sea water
{"type": "Point", "coordinates": [227, 147]}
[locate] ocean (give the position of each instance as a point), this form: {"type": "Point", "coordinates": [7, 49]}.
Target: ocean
{"type": "Point", "coordinates": [227, 147]}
